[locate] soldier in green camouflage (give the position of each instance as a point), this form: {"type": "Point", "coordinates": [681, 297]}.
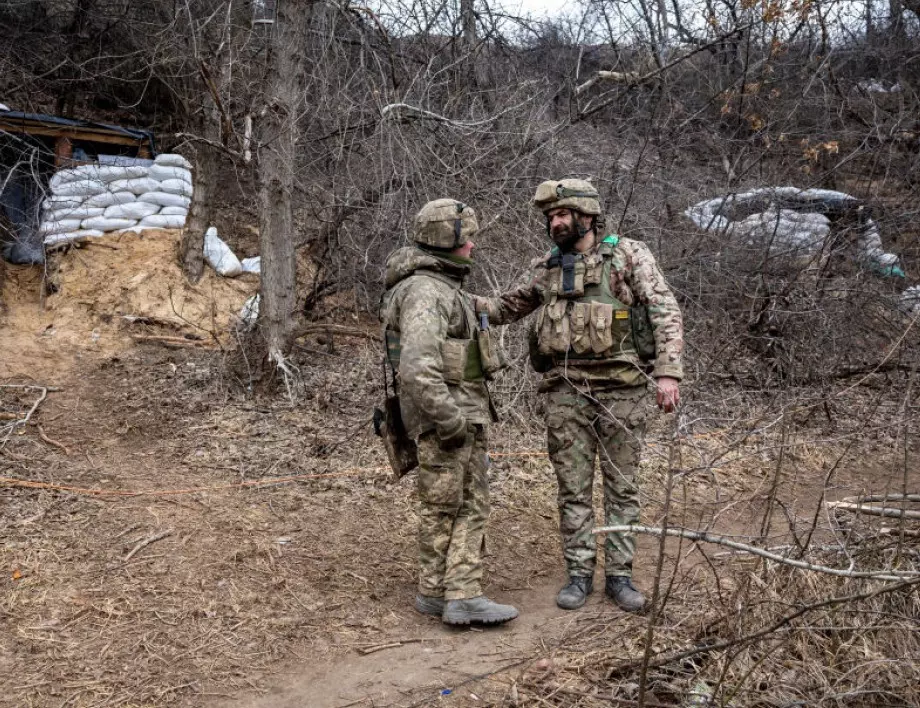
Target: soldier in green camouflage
{"type": "Point", "coordinates": [608, 328]}
{"type": "Point", "coordinates": [442, 357]}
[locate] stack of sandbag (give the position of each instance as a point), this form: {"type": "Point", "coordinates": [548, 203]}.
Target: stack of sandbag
{"type": "Point", "coordinates": [92, 200]}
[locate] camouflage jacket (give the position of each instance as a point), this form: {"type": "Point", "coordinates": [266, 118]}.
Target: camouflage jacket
{"type": "Point", "coordinates": [634, 279]}
{"type": "Point", "coordinates": [425, 304]}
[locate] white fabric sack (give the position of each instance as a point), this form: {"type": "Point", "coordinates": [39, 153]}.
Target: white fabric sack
{"type": "Point", "coordinates": [102, 173]}
{"type": "Point", "coordinates": [163, 221]}
{"type": "Point", "coordinates": [70, 236]}
{"type": "Point", "coordinates": [133, 210]}
{"type": "Point", "coordinates": [55, 202]}
{"type": "Point", "coordinates": [135, 229]}
{"type": "Point", "coordinates": [78, 212]}
{"type": "Point", "coordinates": [174, 211]}
{"type": "Point", "coordinates": [250, 311]}
{"type": "Point", "coordinates": [252, 265]}
{"type": "Point", "coordinates": [219, 256]}
{"type": "Point", "coordinates": [107, 199]}
{"type": "Point", "coordinates": [49, 228]}
{"type": "Point", "coordinates": [137, 186]}
{"type": "Point", "coordinates": [176, 186]}
{"type": "Point", "coordinates": [80, 188]}
{"type": "Point", "coordinates": [104, 224]}
{"type": "Point", "coordinates": [165, 172]}
{"type": "Point", "coordinates": [172, 160]}
{"type": "Point", "coordinates": [165, 199]}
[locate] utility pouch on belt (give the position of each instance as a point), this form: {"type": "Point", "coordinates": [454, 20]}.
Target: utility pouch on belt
{"type": "Point", "coordinates": [642, 332]}
{"type": "Point", "coordinates": [490, 353]}
{"type": "Point", "coordinates": [402, 451]}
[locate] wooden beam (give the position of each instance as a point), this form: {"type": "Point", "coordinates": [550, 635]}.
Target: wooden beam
{"type": "Point", "coordinates": [87, 134]}
{"type": "Point", "coordinates": [63, 152]}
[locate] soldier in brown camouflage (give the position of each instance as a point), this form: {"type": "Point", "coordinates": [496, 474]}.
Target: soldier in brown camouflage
{"type": "Point", "coordinates": [442, 357]}
{"type": "Point", "coordinates": [608, 328]}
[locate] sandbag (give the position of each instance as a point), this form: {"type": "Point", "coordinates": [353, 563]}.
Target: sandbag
{"type": "Point", "coordinates": [133, 210]}
{"type": "Point", "coordinates": [163, 221]}
{"type": "Point", "coordinates": [70, 236]}
{"type": "Point", "coordinates": [165, 199]}
{"type": "Point", "coordinates": [164, 172]}
{"type": "Point", "coordinates": [219, 255]}
{"type": "Point", "coordinates": [172, 160]}
{"type": "Point", "coordinates": [80, 188]}
{"type": "Point", "coordinates": [252, 265]}
{"type": "Point", "coordinates": [104, 224]}
{"type": "Point", "coordinates": [137, 186]}
{"type": "Point", "coordinates": [60, 226]}
{"type": "Point", "coordinates": [102, 173]}
{"type": "Point", "coordinates": [176, 186]}
{"type": "Point", "coordinates": [107, 199]}
{"type": "Point", "coordinates": [78, 212]}
{"type": "Point", "coordinates": [174, 211]}
{"type": "Point", "coordinates": [55, 202]}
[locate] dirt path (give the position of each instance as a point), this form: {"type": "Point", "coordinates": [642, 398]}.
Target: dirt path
{"type": "Point", "coordinates": [437, 658]}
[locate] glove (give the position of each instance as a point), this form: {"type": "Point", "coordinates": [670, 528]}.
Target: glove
{"type": "Point", "coordinates": [455, 439]}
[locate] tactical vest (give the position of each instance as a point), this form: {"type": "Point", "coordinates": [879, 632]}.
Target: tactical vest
{"type": "Point", "coordinates": [473, 358]}
{"type": "Point", "coordinates": [581, 318]}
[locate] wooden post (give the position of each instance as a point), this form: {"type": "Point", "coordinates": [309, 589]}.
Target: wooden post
{"type": "Point", "coordinates": [63, 152]}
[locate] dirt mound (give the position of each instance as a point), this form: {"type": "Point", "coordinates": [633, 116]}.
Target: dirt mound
{"type": "Point", "coordinates": [106, 295]}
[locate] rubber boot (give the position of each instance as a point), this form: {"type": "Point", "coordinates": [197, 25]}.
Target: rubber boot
{"type": "Point", "coordinates": [428, 605]}
{"type": "Point", "coordinates": [477, 610]}
{"type": "Point", "coordinates": [620, 589]}
{"type": "Point", "coordinates": [575, 593]}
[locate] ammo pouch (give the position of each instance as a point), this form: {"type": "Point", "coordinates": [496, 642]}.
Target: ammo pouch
{"type": "Point", "coordinates": [586, 330]}
{"type": "Point", "coordinates": [490, 354]}
{"type": "Point", "coordinates": [642, 332]}
{"type": "Point", "coordinates": [462, 361]}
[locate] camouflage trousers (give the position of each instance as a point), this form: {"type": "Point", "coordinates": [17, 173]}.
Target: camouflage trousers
{"type": "Point", "coordinates": [610, 425]}
{"type": "Point", "coordinates": [453, 488]}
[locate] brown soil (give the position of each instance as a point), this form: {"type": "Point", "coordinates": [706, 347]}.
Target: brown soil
{"type": "Point", "coordinates": [185, 544]}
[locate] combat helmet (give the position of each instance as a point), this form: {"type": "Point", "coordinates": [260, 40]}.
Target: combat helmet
{"type": "Point", "coordinates": [445, 224]}
{"type": "Point", "coordinates": [577, 194]}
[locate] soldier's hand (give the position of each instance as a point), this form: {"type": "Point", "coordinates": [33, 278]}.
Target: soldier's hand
{"type": "Point", "coordinates": [454, 440]}
{"type": "Point", "coordinates": [668, 393]}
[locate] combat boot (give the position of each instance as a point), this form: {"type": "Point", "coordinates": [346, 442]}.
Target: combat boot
{"type": "Point", "coordinates": [428, 605]}
{"type": "Point", "coordinates": [478, 610]}
{"type": "Point", "coordinates": [620, 589]}
{"type": "Point", "coordinates": [575, 593]}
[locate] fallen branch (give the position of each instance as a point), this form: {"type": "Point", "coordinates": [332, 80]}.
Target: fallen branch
{"type": "Point", "coordinates": [874, 510]}
{"type": "Point", "coordinates": [744, 547]}
{"type": "Point", "coordinates": [342, 330]}
{"type": "Point", "coordinates": [883, 498]}
{"type": "Point", "coordinates": [53, 443]}
{"type": "Point", "coordinates": [910, 533]}
{"type": "Point", "coordinates": [144, 543]}
{"type": "Point", "coordinates": [169, 341]}
{"type": "Point", "coordinates": [390, 645]}
{"type": "Point", "coordinates": [22, 421]}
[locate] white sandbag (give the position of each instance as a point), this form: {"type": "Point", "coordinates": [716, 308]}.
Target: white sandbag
{"type": "Point", "coordinates": [137, 186]}
{"type": "Point", "coordinates": [134, 210]}
{"type": "Point", "coordinates": [105, 224]}
{"type": "Point", "coordinates": [219, 256]}
{"type": "Point", "coordinates": [165, 199]}
{"type": "Point", "coordinates": [176, 186]}
{"type": "Point", "coordinates": [55, 202]}
{"type": "Point", "coordinates": [80, 188]}
{"type": "Point", "coordinates": [163, 221]}
{"type": "Point", "coordinates": [174, 211]}
{"type": "Point", "coordinates": [250, 311]}
{"type": "Point", "coordinates": [165, 172]}
{"type": "Point", "coordinates": [252, 265]}
{"type": "Point", "coordinates": [172, 160]}
{"type": "Point", "coordinates": [136, 229]}
{"type": "Point", "coordinates": [107, 199]}
{"type": "Point", "coordinates": [78, 212]}
{"type": "Point", "coordinates": [101, 173]}
{"type": "Point", "coordinates": [60, 226]}
{"type": "Point", "coordinates": [71, 236]}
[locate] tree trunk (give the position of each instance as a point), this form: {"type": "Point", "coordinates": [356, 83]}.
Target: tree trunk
{"type": "Point", "coordinates": [468, 18]}
{"type": "Point", "coordinates": [284, 94]}
{"type": "Point", "coordinates": [191, 249]}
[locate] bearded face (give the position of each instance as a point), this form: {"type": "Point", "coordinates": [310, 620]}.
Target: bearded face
{"type": "Point", "coordinates": [563, 228]}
